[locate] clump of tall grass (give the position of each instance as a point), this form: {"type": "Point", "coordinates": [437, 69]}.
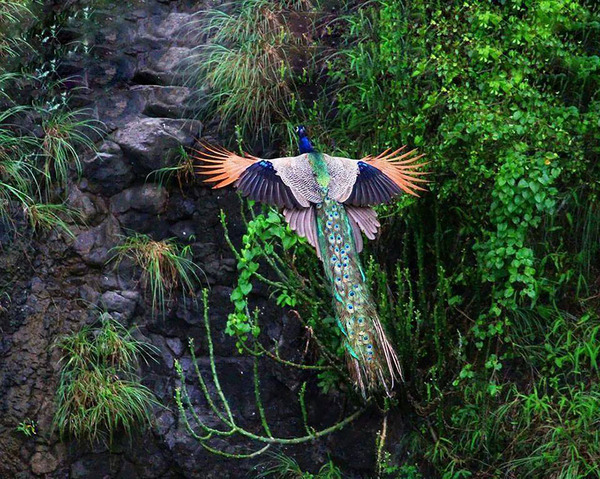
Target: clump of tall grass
{"type": "Point", "coordinates": [18, 174]}
{"type": "Point", "coordinates": [165, 266]}
{"type": "Point", "coordinates": [558, 426]}
{"type": "Point", "coordinates": [47, 216]}
{"type": "Point", "coordinates": [65, 133]}
{"type": "Point", "coordinates": [16, 162]}
{"type": "Point", "coordinates": [12, 14]}
{"type": "Point", "coordinates": [245, 56]}
{"type": "Point", "coordinates": [100, 394]}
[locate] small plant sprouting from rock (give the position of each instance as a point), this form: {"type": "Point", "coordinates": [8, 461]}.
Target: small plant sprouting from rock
{"type": "Point", "coordinates": [184, 170]}
{"type": "Point", "coordinates": [165, 266]}
{"type": "Point", "coordinates": [28, 427]}
{"type": "Point", "coordinates": [281, 466]}
{"type": "Point", "coordinates": [99, 394]}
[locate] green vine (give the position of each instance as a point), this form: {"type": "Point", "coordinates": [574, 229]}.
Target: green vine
{"type": "Point", "coordinates": [219, 405]}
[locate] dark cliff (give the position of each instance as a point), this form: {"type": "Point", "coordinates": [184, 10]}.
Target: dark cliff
{"type": "Point", "coordinates": [131, 82]}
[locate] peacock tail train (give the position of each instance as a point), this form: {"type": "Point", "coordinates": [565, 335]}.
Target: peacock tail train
{"type": "Point", "coordinates": [370, 356]}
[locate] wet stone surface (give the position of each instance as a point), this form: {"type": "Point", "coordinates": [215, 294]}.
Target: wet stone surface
{"type": "Point", "coordinates": [56, 284]}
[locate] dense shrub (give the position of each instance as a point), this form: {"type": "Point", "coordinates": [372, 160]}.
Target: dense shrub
{"type": "Point", "coordinates": [495, 292]}
{"type": "Point", "coordinates": [489, 281]}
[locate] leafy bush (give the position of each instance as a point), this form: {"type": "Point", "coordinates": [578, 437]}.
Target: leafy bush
{"type": "Point", "coordinates": [298, 284]}
{"type": "Point", "coordinates": [491, 285]}
{"type": "Point", "coordinates": [488, 284]}
{"type": "Point", "coordinates": [100, 394]}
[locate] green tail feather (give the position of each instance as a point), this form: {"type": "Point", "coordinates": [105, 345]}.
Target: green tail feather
{"type": "Point", "coordinates": [371, 358]}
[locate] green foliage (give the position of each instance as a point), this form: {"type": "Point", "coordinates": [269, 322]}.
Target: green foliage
{"type": "Point", "coordinates": [299, 284]}
{"type": "Point", "coordinates": [35, 170]}
{"type": "Point", "coordinates": [489, 292]}
{"type": "Point", "coordinates": [247, 61]}
{"type": "Point", "coordinates": [165, 266]}
{"type": "Point", "coordinates": [28, 427]}
{"type": "Point", "coordinates": [262, 232]}
{"type": "Point", "coordinates": [100, 394]}
{"type": "Point", "coordinates": [390, 470]}
{"type": "Point", "coordinates": [284, 467]}
{"type": "Point", "coordinates": [488, 284]}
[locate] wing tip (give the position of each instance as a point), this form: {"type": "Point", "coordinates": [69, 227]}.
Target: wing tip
{"type": "Point", "coordinates": [223, 166]}
{"type": "Point", "coordinates": [401, 168]}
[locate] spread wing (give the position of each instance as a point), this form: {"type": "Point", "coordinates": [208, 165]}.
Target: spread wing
{"type": "Point", "coordinates": [256, 178]}
{"type": "Point", "coordinates": [385, 176]}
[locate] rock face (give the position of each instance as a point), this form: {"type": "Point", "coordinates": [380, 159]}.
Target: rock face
{"type": "Point", "coordinates": [150, 142]}
{"type": "Point", "coordinates": [57, 285]}
{"type": "Point", "coordinates": [108, 170]}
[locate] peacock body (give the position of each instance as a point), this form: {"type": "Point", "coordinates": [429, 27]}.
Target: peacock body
{"type": "Point", "coordinates": [327, 200]}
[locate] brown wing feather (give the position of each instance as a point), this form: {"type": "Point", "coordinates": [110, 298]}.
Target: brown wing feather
{"type": "Point", "coordinates": [222, 166]}
{"type": "Point", "coordinates": [303, 222]}
{"type": "Point", "coordinates": [400, 168]}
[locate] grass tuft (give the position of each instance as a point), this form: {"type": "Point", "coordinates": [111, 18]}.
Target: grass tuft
{"type": "Point", "coordinates": [165, 266]}
{"type": "Point", "coordinates": [247, 62]}
{"type": "Point", "coordinates": [65, 133]}
{"type": "Point", "coordinates": [12, 14]}
{"type": "Point", "coordinates": [99, 394]}
{"type": "Point", "coordinates": [281, 466]}
{"type": "Point", "coordinates": [45, 216]}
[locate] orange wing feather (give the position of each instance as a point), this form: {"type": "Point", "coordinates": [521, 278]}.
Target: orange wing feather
{"type": "Point", "coordinates": [223, 166]}
{"type": "Point", "coordinates": [400, 168]}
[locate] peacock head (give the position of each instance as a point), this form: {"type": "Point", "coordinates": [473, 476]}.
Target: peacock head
{"type": "Point", "coordinates": [304, 143]}
{"type": "Point", "coordinates": [301, 131]}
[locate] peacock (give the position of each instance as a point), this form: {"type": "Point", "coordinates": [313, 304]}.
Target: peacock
{"type": "Point", "coordinates": [327, 200]}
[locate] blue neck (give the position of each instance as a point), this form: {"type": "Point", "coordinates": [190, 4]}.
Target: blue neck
{"type": "Point", "coordinates": [305, 146]}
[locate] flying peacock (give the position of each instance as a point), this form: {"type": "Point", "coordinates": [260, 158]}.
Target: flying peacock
{"type": "Point", "coordinates": [328, 200]}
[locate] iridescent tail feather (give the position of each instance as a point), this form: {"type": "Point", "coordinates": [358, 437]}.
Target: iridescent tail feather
{"type": "Point", "coordinates": [371, 359]}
